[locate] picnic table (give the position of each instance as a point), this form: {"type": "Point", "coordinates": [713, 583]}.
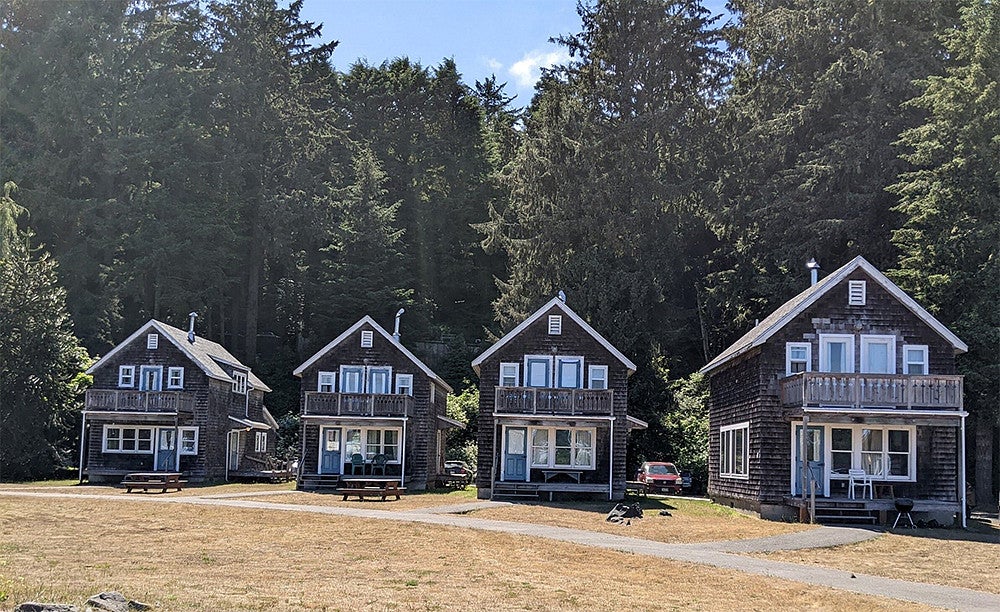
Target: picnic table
{"type": "Point", "coordinates": [370, 486]}
{"type": "Point", "coordinates": [636, 488]}
{"type": "Point", "coordinates": [152, 480]}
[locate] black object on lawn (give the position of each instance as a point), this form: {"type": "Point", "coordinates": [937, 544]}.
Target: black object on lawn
{"type": "Point", "coordinates": [903, 507]}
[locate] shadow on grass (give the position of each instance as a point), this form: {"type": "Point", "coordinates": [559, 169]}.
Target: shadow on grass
{"type": "Point", "coordinates": [980, 530]}
{"type": "Point", "coordinates": [647, 504]}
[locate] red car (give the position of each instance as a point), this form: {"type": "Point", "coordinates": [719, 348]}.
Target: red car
{"type": "Point", "coordinates": [660, 477]}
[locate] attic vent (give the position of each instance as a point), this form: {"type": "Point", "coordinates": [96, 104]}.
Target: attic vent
{"type": "Point", "coordinates": [555, 325]}
{"type": "Point", "coordinates": [856, 293]}
{"type": "Point", "coordinates": [152, 341]}
{"type": "Point", "coordinates": [366, 339]}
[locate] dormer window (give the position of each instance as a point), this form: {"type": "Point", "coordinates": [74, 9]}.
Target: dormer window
{"type": "Point", "coordinates": [153, 341]}
{"type": "Point", "coordinates": [555, 325]}
{"type": "Point", "coordinates": [856, 293]}
{"type": "Point", "coordinates": [240, 383]}
{"type": "Point", "coordinates": [366, 339]}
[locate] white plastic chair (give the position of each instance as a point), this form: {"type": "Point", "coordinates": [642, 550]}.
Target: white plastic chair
{"type": "Point", "coordinates": [860, 478]}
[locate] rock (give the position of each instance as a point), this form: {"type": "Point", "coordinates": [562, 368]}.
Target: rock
{"type": "Point", "coordinates": [111, 601]}
{"type": "Point", "coordinates": [138, 606]}
{"type": "Point", "coordinates": [31, 606]}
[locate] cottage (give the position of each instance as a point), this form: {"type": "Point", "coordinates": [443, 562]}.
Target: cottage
{"type": "Point", "coordinates": [869, 376]}
{"type": "Point", "coordinates": [553, 400]}
{"type": "Point", "coordinates": [168, 400]}
{"type": "Point", "coordinates": [365, 396]}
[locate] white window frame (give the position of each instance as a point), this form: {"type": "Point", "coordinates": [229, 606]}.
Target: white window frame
{"type": "Point", "coordinates": [260, 442]}
{"type": "Point", "coordinates": [866, 341]}
{"type": "Point", "coordinates": [856, 449]}
{"type": "Point", "coordinates": [181, 431]}
{"type": "Point", "coordinates": [171, 372]}
{"type": "Point", "coordinates": [555, 325]}
{"type": "Point", "coordinates": [126, 377]}
{"type": "Point", "coordinates": [557, 371]}
{"type": "Point", "coordinates": [513, 374]}
{"type": "Point", "coordinates": [788, 356]}
{"type": "Point", "coordinates": [857, 293]}
{"type": "Point", "coordinates": [548, 358]}
{"type": "Point", "coordinates": [925, 363]}
{"type": "Point", "coordinates": [370, 371]}
{"type": "Point", "coordinates": [326, 379]}
{"type": "Point", "coordinates": [591, 370]}
{"type": "Point", "coordinates": [550, 447]}
{"type": "Point", "coordinates": [367, 338]}
{"type": "Point", "coordinates": [363, 442]}
{"type": "Point", "coordinates": [731, 466]}
{"type": "Point", "coordinates": [404, 381]}
{"type": "Point", "coordinates": [240, 384]}
{"type": "Point", "coordinates": [824, 340]}
{"type": "Point", "coordinates": [351, 369]}
{"type": "Point", "coordinates": [152, 341]}
{"type": "Point", "coordinates": [121, 440]}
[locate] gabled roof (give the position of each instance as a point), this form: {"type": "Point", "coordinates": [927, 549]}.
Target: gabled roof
{"type": "Point", "coordinates": [558, 303]}
{"type": "Point", "coordinates": [795, 306]}
{"type": "Point", "coordinates": [350, 330]}
{"type": "Point", "coordinates": [204, 353]}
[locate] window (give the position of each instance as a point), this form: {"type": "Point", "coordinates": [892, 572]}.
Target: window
{"type": "Point", "coordinates": [537, 371]}
{"type": "Point", "coordinates": [366, 339]}
{"type": "Point", "coordinates": [597, 377]}
{"type": "Point", "coordinates": [915, 359]}
{"type": "Point", "coordinates": [562, 447]}
{"type": "Point", "coordinates": [871, 452]}
{"type": "Point", "coordinates": [135, 440]}
{"type": "Point", "coordinates": [884, 453]}
{"type": "Point", "coordinates": [260, 442]}
{"type": "Point", "coordinates": [239, 382]}
{"type": "Point", "coordinates": [189, 440]}
{"type": "Point", "coordinates": [841, 450]}
{"type": "Point", "coordinates": [152, 341]}
{"type": "Point", "coordinates": [569, 372]}
{"type": "Point", "coordinates": [369, 442]}
{"type": "Point", "coordinates": [856, 290]}
{"type": "Point", "coordinates": [734, 450]}
{"type": "Point", "coordinates": [150, 378]}
{"type": "Point", "coordinates": [126, 376]}
{"type": "Point", "coordinates": [836, 353]}
{"type": "Point", "coordinates": [326, 382]}
{"type": "Point", "coordinates": [379, 380]}
{"type": "Point", "coordinates": [352, 379]}
{"type": "Point", "coordinates": [798, 357]}
{"type": "Point", "coordinates": [898, 453]}
{"type": "Point", "coordinates": [509, 374]}
{"type": "Point", "coordinates": [404, 384]}
{"type": "Point", "coordinates": [878, 354]}
{"type": "Point", "coordinates": [555, 325]}
{"type": "Point", "coordinates": [175, 378]}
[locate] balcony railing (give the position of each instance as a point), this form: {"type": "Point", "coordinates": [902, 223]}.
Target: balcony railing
{"type": "Point", "coordinates": [571, 402]}
{"type": "Point", "coordinates": [871, 390]}
{"type": "Point", "coordinates": [358, 404]}
{"type": "Point", "coordinates": [170, 402]}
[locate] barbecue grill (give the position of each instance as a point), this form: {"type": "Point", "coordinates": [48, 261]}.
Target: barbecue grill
{"type": "Point", "coordinates": [903, 508]}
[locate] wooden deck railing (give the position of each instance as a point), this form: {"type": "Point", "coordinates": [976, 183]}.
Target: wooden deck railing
{"type": "Point", "coordinates": [138, 401]}
{"type": "Point", "coordinates": [871, 390]}
{"type": "Point", "coordinates": [358, 404]}
{"type": "Point", "coordinates": [536, 400]}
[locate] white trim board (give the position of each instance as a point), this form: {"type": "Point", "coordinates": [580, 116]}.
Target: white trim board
{"type": "Point", "coordinates": [538, 314]}
{"type": "Point", "coordinates": [350, 330]}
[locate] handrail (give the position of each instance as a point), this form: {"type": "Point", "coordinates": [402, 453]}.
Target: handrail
{"type": "Point", "coordinates": [129, 400]}
{"type": "Point", "coordinates": [554, 401]}
{"type": "Point", "coordinates": [358, 404]}
{"type": "Point", "coordinates": [858, 390]}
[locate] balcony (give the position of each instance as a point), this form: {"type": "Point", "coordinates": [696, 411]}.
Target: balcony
{"type": "Point", "coordinates": [872, 390]}
{"type": "Point", "coordinates": [358, 404]}
{"type": "Point", "coordinates": [561, 402]}
{"type": "Point", "coordinates": [160, 402]}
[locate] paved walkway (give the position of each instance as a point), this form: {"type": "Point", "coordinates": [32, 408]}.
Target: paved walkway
{"type": "Point", "coordinates": [716, 554]}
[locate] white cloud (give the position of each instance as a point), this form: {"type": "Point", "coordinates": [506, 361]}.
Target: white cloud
{"type": "Point", "coordinates": [493, 63]}
{"type": "Point", "coordinates": [528, 69]}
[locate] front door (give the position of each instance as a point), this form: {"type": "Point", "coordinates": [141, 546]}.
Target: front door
{"type": "Point", "coordinates": [516, 454]}
{"type": "Point", "coordinates": [166, 449]}
{"type": "Point", "coordinates": [814, 458]}
{"type": "Point", "coordinates": [234, 450]}
{"type": "Point", "coordinates": [329, 452]}
{"type": "Point", "coordinates": [150, 378]}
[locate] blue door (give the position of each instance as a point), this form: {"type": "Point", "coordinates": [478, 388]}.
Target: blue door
{"type": "Point", "coordinates": [166, 449]}
{"type": "Point", "coordinates": [150, 378]}
{"type": "Point", "coordinates": [516, 454]}
{"type": "Point", "coordinates": [814, 458]}
{"type": "Point", "coordinates": [330, 462]}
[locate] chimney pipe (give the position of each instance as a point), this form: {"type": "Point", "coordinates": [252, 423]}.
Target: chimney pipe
{"type": "Point", "coordinates": [191, 317]}
{"type": "Point", "coordinates": [813, 267]}
{"type": "Point", "coordinates": [395, 329]}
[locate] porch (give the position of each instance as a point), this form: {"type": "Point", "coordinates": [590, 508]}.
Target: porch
{"type": "Point", "coordinates": [120, 401]}
{"type": "Point", "coordinates": [552, 401]}
{"type": "Point", "coordinates": [935, 392]}
{"type": "Point", "coordinates": [358, 404]}
{"type": "Point", "coordinates": [534, 490]}
{"type": "Point", "coordinates": [878, 511]}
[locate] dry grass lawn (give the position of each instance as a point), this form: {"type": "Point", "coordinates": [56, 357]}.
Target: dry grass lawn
{"type": "Point", "coordinates": [212, 558]}
{"type": "Point", "coordinates": [939, 556]}
{"type": "Point", "coordinates": [71, 486]}
{"type": "Point", "coordinates": [689, 521]}
{"type": "Point", "coordinates": [409, 501]}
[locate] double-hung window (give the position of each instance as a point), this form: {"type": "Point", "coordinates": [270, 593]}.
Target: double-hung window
{"type": "Point", "coordinates": [136, 440]}
{"type": "Point", "coordinates": [239, 382]}
{"type": "Point", "coordinates": [878, 354]}
{"type": "Point", "coordinates": [915, 359]}
{"type": "Point", "coordinates": [569, 372]}
{"type": "Point", "coordinates": [798, 357]}
{"type": "Point", "coordinates": [352, 379]}
{"type": "Point", "coordinates": [326, 382]}
{"type": "Point", "coordinates": [537, 371]}
{"type": "Point", "coordinates": [189, 440]}
{"type": "Point", "coordinates": [509, 374]}
{"type": "Point", "coordinates": [371, 441]}
{"type": "Point", "coordinates": [836, 353]}
{"type": "Point", "coordinates": [885, 453]}
{"type": "Point", "coordinates": [404, 384]}
{"type": "Point", "coordinates": [562, 447]}
{"type": "Point", "coordinates": [379, 379]}
{"type": "Point", "coordinates": [734, 450]}
{"type": "Point", "coordinates": [126, 376]}
{"type": "Point", "coordinates": [175, 378]}
{"type": "Point", "coordinates": [598, 377]}
{"type": "Point", "coordinates": [260, 442]}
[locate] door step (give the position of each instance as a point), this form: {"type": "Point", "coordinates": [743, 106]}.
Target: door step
{"type": "Point", "coordinates": [318, 482]}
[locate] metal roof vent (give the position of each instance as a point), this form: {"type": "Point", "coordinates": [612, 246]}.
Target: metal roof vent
{"type": "Point", "coordinates": [813, 267]}
{"type": "Point", "coordinates": [191, 317]}
{"type": "Point", "coordinates": [395, 329]}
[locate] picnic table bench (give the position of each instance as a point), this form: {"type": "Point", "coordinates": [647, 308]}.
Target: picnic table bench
{"type": "Point", "coordinates": [634, 487]}
{"type": "Point", "coordinates": [152, 480]}
{"type": "Point", "coordinates": [370, 487]}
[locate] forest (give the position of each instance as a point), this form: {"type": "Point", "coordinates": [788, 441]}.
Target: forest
{"type": "Point", "coordinates": [160, 157]}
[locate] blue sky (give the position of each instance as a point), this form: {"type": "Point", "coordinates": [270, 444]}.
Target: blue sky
{"type": "Point", "coordinates": [507, 38]}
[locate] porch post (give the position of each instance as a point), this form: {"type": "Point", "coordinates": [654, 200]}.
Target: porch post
{"type": "Point", "coordinates": [229, 436]}
{"type": "Point", "coordinates": [83, 441]}
{"type": "Point", "coordinates": [961, 474]}
{"type": "Point", "coordinates": [803, 476]}
{"type": "Point", "coordinates": [402, 456]}
{"type": "Point", "coordinates": [611, 462]}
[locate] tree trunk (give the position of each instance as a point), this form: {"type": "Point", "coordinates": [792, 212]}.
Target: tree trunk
{"type": "Point", "coordinates": [985, 432]}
